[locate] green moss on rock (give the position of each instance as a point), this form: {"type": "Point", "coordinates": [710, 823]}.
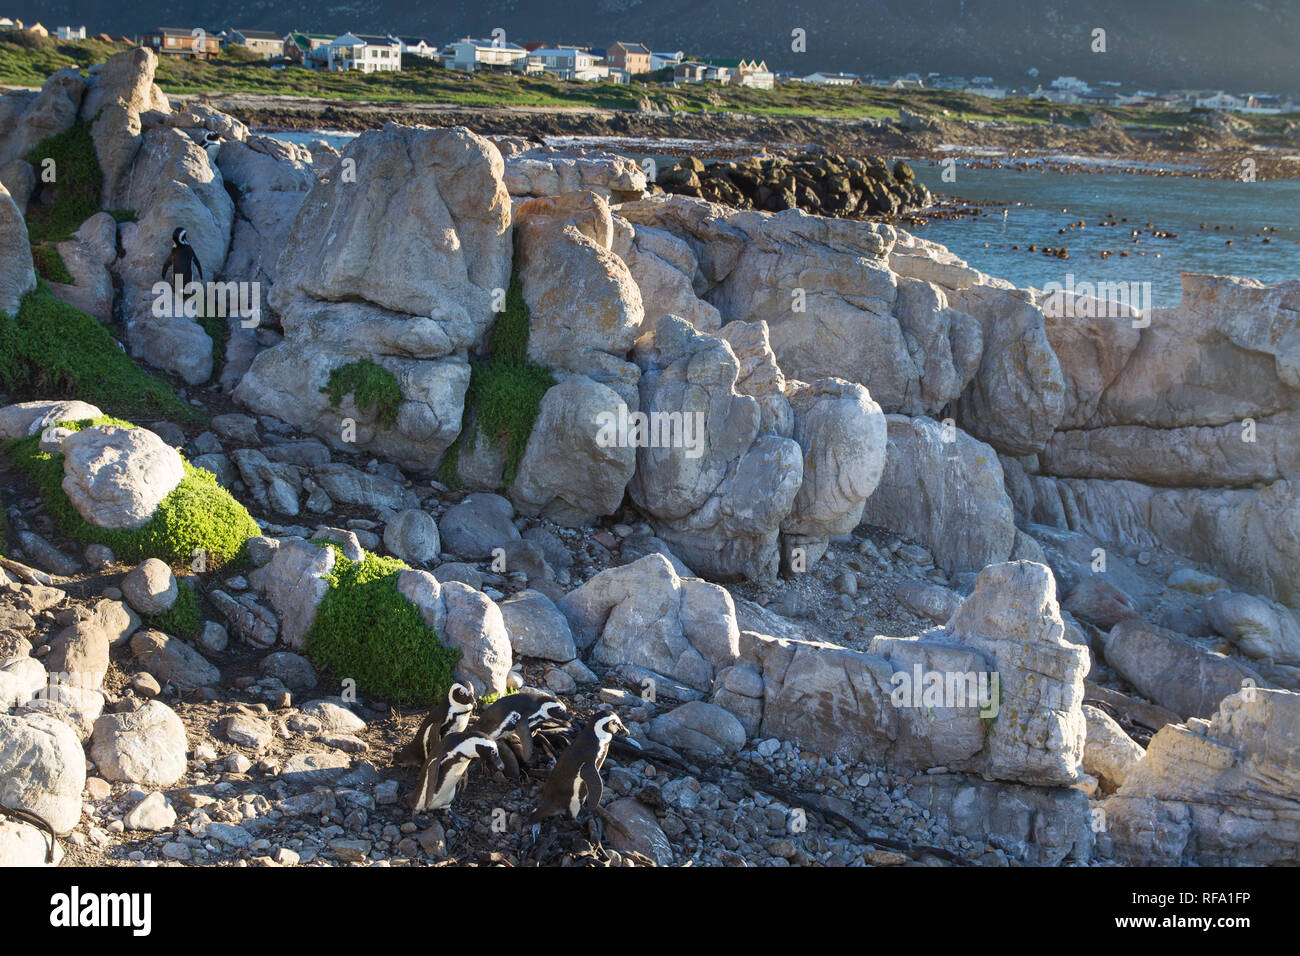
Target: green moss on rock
{"type": "Point", "coordinates": [367, 631]}
{"type": "Point", "coordinates": [50, 265]}
{"type": "Point", "coordinates": [197, 516]}
{"type": "Point", "coordinates": [371, 386]}
{"type": "Point", "coordinates": [54, 349]}
{"type": "Point", "coordinates": [505, 390]}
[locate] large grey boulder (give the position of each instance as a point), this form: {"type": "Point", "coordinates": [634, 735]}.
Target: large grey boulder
{"type": "Point", "coordinates": [173, 661]}
{"type": "Point", "coordinates": [567, 474]}
{"type": "Point", "coordinates": [1258, 628]}
{"type": "Point", "coordinates": [412, 535]}
{"type": "Point", "coordinates": [397, 259]}
{"type": "Point", "coordinates": [537, 628]}
{"type": "Point", "coordinates": [42, 769]}
{"type": "Point", "coordinates": [715, 487]}
{"type": "Point", "coordinates": [585, 309]}
{"type": "Point", "coordinates": [295, 582]}
{"type": "Point", "coordinates": [478, 525]}
{"type": "Point", "coordinates": [701, 727]}
{"type": "Point", "coordinates": [33, 119]}
{"type": "Point", "coordinates": [944, 489]}
{"type": "Point", "coordinates": [146, 746]}
{"type": "Point", "coordinates": [116, 96]}
{"type": "Point", "coordinates": [116, 477]}
{"type": "Point", "coordinates": [643, 614]}
{"type": "Point", "coordinates": [24, 419]}
{"type": "Point", "coordinates": [465, 619]}
{"type": "Point", "coordinates": [1173, 670]}
{"type": "Point", "coordinates": [17, 274]}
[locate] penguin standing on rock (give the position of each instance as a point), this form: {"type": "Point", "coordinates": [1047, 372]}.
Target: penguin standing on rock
{"type": "Point", "coordinates": [183, 261]}
{"type": "Point", "coordinates": [212, 146]}
{"type": "Point", "coordinates": [576, 777]}
{"type": "Point", "coordinates": [443, 772]}
{"type": "Point", "coordinates": [448, 716]}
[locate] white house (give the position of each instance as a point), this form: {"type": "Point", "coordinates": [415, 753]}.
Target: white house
{"type": "Point", "coordinates": [990, 91]}
{"type": "Point", "coordinates": [364, 52]}
{"type": "Point", "coordinates": [71, 33]}
{"type": "Point", "coordinates": [1220, 100]}
{"type": "Point", "coordinates": [469, 55]}
{"type": "Point", "coordinates": [417, 46]}
{"type": "Point", "coordinates": [662, 58]}
{"type": "Point", "coordinates": [833, 79]}
{"type": "Point", "coordinates": [570, 63]}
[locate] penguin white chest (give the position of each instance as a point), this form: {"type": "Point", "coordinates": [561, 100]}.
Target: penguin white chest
{"type": "Point", "coordinates": [575, 799]}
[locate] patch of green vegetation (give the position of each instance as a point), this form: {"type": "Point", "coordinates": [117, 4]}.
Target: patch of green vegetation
{"type": "Point", "coordinates": [77, 183]}
{"type": "Point", "coordinates": [197, 516]}
{"type": "Point", "coordinates": [371, 386]}
{"type": "Point", "coordinates": [50, 265]}
{"type": "Point", "coordinates": [505, 391]}
{"type": "Point", "coordinates": [54, 349]}
{"type": "Point", "coordinates": [366, 630]}
{"type": "Point", "coordinates": [27, 59]}
{"type": "Point", "coordinates": [183, 618]}
{"type": "Point", "coordinates": [124, 215]}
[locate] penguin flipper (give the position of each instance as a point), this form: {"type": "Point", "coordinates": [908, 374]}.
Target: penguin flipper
{"type": "Point", "coordinates": [595, 786]}
{"type": "Point", "coordinates": [428, 784]}
{"type": "Point", "coordinates": [525, 738]}
{"type": "Point", "coordinates": [198, 265]}
{"type": "Point", "coordinates": [510, 764]}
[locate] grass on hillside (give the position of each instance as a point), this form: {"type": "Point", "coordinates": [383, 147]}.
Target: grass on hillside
{"type": "Point", "coordinates": [31, 61]}
{"type": "Point", "coordinates": [370, 385]}
{"type": "Point", "coordinates": [367, 631]}
{"type": "Point", "coordinates": [197, 516]}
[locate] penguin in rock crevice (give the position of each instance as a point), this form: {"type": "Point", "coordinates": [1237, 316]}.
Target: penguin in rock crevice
{"type": "Point", "coordinates": [576, 780]}
{"type": "Point", "coordinates": [442, 774]}
{"type": "Point", "coordinates": [183, 262]}
{"type": "Point", "coordinates": [449, 716]}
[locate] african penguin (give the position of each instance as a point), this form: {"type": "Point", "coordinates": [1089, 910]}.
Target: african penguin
{"type": "Point", "coordinates": [212, 145]}
{"type": "Point", "coordinates": [182, 259]}
{"type": "Point", "coordinates": [443, 772]}
{"type": "Point", "coordinates": [576, 777]}
{"type": "Point", "coordinates": [534, 709]}
{"type": "Point", "coordinates": [448, 716]}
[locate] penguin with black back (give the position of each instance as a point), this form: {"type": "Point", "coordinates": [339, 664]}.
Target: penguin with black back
{"type": "Point", "coordinates": [536, 712]}
{"type": "Point", "coordinates": [443, 773]}
{"type": "Point", "coordinates": [183, 261]}
{"type": "Point", "coordinates": [575, 781]}
{"type": "Point", "coordinates": [449, 716]}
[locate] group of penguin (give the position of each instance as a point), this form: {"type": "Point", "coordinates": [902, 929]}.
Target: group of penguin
{"type": "Point", "coordinates": [504, 734]}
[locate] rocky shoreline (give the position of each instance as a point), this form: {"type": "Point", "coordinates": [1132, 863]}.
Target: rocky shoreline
{"type": "Point", "coordinates": [1215, 150]}
{"type": "Point", "coordinates": [881, 560]}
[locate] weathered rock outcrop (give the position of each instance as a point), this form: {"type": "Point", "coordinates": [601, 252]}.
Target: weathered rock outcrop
{"type": "Point", "coordinates": [17, 274]}
{"type": "Point", "coordinates": [116, 477]}
{"type": "Point", "coordinates": [397, 259]}
{"type": "Point", "coordinates": [944, 489]}
{"type": "Point", "coordinates": [533, 171]}
{"type": "Point", "coordinates": [1220, 792]}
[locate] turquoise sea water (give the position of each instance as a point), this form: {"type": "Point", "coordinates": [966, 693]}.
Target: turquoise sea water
{"type": "Point", "coordinates": [1038, 204]}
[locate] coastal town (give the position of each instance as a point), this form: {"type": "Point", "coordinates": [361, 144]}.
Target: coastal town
{"type": "Point", "coordinates": [624, 62]}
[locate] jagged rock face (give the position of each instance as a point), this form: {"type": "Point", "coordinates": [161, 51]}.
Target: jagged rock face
{"type": "Point", "coordinates": [17, 274]}
{"type": "Point", "coordinates": [270, 179]}
{"type": "Point", "coordinates": [844, 703]}
{"type": "Point", "coordinates": [714, 487]}
{"type": "Point", "coordinates": [396, 259]}
{"type": "Point", "coordinates": [88, 257]}
{"type": "Point", "coordinates": [566, 475]}
{"type": "Point", "coordinates": [944, 489]}
{"type": "Point", "coordinates": [667, 274]}
{"type": "Point", "coordinates": [1183, 432]}
{"type": "Point", "coordinates": [865, 303]}
{"type": "Point", "coordinates": [585, 308]}
{"type": "Point", "coordinates": [116, 97]}
{"type": "Point", "coordinates": [1220, 792]}
{"type": "Point", "coordinates": [172, 186]}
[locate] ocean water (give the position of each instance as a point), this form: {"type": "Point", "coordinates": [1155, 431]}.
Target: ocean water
{"type": "Point", "coordinates": [1032, 207]}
